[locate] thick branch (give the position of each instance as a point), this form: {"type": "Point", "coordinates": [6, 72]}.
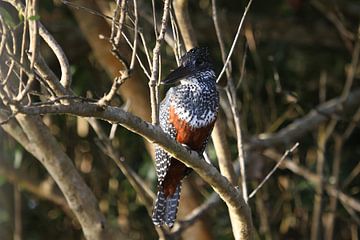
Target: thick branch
{"type": "Point", "coordinates": [35, 188]}
{"type": "Point", "coordinates": [155, 135]}
{"type": "Point", "coordinates": [298, 128]}
{"type": "Point", "coordinates": [35, 137]}
{"type": "Point", "coordinates": [183, 19]}
{"type": "Point", "coordinates": [78, 195]}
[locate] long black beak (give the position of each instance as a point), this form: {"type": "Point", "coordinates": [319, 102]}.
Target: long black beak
{"type": "Point", "coordinates": [178, 74]}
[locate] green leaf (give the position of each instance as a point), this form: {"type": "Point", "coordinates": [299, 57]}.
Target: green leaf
{"type": "Point", "coordinates": [34, 18]}
{"type": "Point", "coordinates": [2, 180]}
{"type": "Point", "coordinates": [7, 17]}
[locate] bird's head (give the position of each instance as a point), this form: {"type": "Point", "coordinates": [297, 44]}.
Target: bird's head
{"type": "Point", "coordinates": [194, 61]}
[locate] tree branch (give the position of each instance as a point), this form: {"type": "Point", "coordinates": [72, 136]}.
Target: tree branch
{"type": "Point", "coordinates": [154, 134]}
{"type": "Point", "coordinates": [35, 188]}
{"type": "Point", "coordinates": [153, 83]}
{"type": "Point", "coordinates": [299, 127]}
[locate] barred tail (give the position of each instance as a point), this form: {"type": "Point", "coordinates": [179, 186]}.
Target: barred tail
{"type": "Point", "coordinates": [166, 208]}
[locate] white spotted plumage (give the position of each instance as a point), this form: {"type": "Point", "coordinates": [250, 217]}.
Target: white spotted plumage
{"type": "Point", "coordinates": [196, 102]}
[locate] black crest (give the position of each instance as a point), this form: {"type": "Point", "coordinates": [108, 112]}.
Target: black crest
{"type": "Point", "coordinates": [196, 59]}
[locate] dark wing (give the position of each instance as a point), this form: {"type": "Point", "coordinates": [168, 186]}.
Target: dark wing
{"type": "Point", "coordinates": [162, 158]}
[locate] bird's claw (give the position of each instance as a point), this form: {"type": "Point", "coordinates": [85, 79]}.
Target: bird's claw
{"type": "Point", "coordinates": [187, 147]}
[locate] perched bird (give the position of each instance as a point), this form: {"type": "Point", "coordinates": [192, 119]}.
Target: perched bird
{"type": "Point", "coordinates": [187, 114]}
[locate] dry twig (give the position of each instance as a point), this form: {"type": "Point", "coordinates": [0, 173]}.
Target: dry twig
{"type": "Point", "coordinates": [267, 177]}
{"type": "Point", "coordinates": [153, 82]}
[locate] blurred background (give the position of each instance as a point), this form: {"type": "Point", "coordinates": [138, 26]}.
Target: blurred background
{"type": "Point", "coordinates": [297, 54]}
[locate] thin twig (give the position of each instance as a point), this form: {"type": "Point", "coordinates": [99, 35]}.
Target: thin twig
{"type": "Point", "coordinates": [283, 157]}
{"type": "Point", "coordinates": [231, 94]}
{"type": "Point", "coordinates": [155, 63]}
{"type": "Point", "coordinates": [17, 214]}
{"type": "Point", "coordinates": [315, 180]}
{"type": "Point", "coordinates": [11, 116]}
{"type": "Point", "coordinates": [344, 33]}
{"type": "Point", "coordinates": [138, 184]}
{"type": "Point", "coordinates": [65, 79]}
{"type": "Point", "coordinates": [146, 50]}
{"type": "Point", "coordinates": [31, 9]}
{"type": "Point", "coordinates": [154, 18]}
{"type": "Point", "coordinates": [114, 20]}
{"type": "Point", "coordinates": [137, 57]}
{"type": "Point", "coordinates": [235, 40]}
{"type": "Point", "coordinates": [4, 35]}
{"type": "Point", "coordinates": [352, 213]}
{"type": "Point", "coordinates": [136, 27]}
{"type": "Point", "coordinates": [195, 214]}
{"type": "Point", "coordinates": [332, 206]}
{"type": "Point", "coordinates": [117, 36]}
{"type": "Point", "coordinates": [323, 134]}
{"type": "Point", "coordinates": [91, 11]}
{"type": "Point", "coordinates": [176, 48]}
{"type": "Point", "coordinates": [23, 42]}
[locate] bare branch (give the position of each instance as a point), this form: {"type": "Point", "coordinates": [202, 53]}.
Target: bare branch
{"type": "Point", "coordinates": [35, 188]}
{"type": "Point", "coordinates": [183, 19]}
{"type": "Point", "coordinates": [235, 40]}
{"type": "Point", "coordinates": [139, 186]}
{"type": "Point", "coordinates": [231, 94]}
{"type": "Point", "coordinates": [136, 27]}
{"type": "Point", "coordinates": [119, 19]}
{"type": "Point", "coordinates": [315, 180]}
{"type": "Point", "coordinates": [155, 65]}
{"type": "Point", "coordinates": [154, 134]}
{"type": "Point", "coordinates": [299, 127]}
{"type": "Point", "coordinates": [197, 213]}
{"type": "Point", "coordinates": [345, 34]}
{"type": "Point", "coordinates": [283, 157]}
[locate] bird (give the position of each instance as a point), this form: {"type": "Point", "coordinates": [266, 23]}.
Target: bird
{"type": "Point", "coordinates": [188, 114]}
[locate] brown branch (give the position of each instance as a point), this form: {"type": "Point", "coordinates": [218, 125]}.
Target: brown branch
{"type": "Point", "coordinates": [154, 134]}
{"type": "Point", "coordinates": [315, 180]}
{"type": "Point", "coordinates": [190, 41]}
{"type": "Point", "coordinates": [222, 149]}
{"type": "Point", "coordinates": [283, 157]}
{"type": "Point", "coordinates": [339, 141]}
{"type": "Point", "coordinates": [195, 215]}
{"type": "Point", "coordinates": [145, 194]}
{"type": "Point", "coordinates": [36, 138]}
{"type": "Point", "coordinates": [35, 188]}
{"type": "Point", "coordinates": [299, 127]}
{"type": "Point", "coordinates": [138, 184]}
{"type": "Point", "coordinates": [17, 214]}
{"type": "Point", "coordinates": [227, 61]}
{"type": "Point", "coordinates": [345, 34]}
{"type": "Point", "coordinates": [153, 83]}
{"type": "Point", "coordinates": [183, 19]}
{"type": "Point", "coordinates": [78, 195]}
{"type": "Point", "coordinates": [231, 94]}
{"type": "Point", "coordinates": [117, 24]}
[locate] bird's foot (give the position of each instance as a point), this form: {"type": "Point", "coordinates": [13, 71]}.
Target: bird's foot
{"type": "Point", "coordinates": [187, 147]}
{"type": "Point", "coordinates": [190, 150]}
